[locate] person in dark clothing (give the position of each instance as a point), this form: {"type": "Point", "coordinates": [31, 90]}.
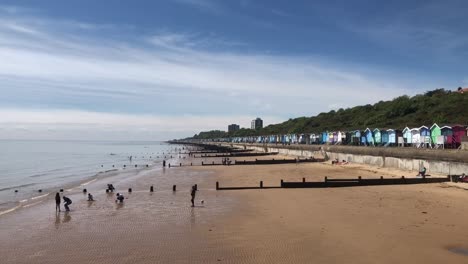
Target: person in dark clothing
{"type": "Point", "coordinates": [193, 192]}
{"type": "Point", "coordinates": [164, 163]}
{"type": "Point", "coordinates": [120, 198]}
{"type": "Point", "coordinates": [90, 197]}
{"type": "Point", "coordinates": [67, 202]}
{"type": "Point", "coordinates": [58, 200]}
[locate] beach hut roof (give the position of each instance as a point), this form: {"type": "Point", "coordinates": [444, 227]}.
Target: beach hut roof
{"type": "Point", "coordinates": [376, 129]}
{"type": "Point", "coordinates": [434, 125]}
{"type": "Point", "coordinates": [406, 128]}
{"type": "Point", "coordinates": [367, 129]}
{"type": "Point", "coordinates": [415, 129]}
{"type": "Point", "coordinates": [423, 127]}
{"type": "Point", "coordinates": [449, 127]}
{"type": "Point", "coordinates": [390, 129]}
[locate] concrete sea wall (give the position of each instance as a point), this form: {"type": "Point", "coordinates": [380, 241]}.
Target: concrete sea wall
{"type": "Point", "coordinates": [450, 162]}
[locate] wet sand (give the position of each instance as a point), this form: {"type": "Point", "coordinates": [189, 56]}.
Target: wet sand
{"type": "Point", "coordinates": [374, 224]}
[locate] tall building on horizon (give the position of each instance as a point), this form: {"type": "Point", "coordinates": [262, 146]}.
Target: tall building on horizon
{"type": "Point", "coordinates": [257, 123]}
{"type": "Point", "coordinates": [233, 128]}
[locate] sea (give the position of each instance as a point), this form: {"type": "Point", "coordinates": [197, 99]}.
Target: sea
{"type": "Point", "coordinates": [34, 168]}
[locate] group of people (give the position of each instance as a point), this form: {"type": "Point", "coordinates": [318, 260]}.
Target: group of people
{"type": "Point", "coordinates": [119, 198]}
{"type": "Point", "coordinates": [226, 161]}
{"type": "Point", "coordinates": [66, 202]}
{"type": "Point", "coordinates": [338, 162]}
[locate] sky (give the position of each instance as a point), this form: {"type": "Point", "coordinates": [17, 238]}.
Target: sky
{"type": "Point", "coordinates": [158, 70]}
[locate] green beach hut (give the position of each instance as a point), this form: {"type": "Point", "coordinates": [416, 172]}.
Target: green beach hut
{"type": "Point", "coordinates": [435, 133]}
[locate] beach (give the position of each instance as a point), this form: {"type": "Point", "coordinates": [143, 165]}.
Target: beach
{"type": "Point", "coordinates": [421, 223]}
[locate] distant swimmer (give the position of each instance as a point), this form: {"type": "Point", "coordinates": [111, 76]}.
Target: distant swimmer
{"type": "Point", "coordinates": [67, 202]}
{"type": "Point", "coordinates": [58, 200]}
{"type": "Point", "coordinates": [90, 197]}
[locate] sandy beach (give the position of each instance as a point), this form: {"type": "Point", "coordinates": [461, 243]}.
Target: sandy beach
{"type": "Point", "coordinates": [374, 224]}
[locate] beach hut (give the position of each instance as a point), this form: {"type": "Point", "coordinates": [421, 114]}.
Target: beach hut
{"type": "Point", "coordinates": [436, 136]}
{"type": "Point", "coordinates": [407, 137]}
{"type": "Point", "coordinates": [349, 138]}
{"type": "Point", "coordinates": [363, 138]}
{"type": "Point", "coordinates": [425, 134]}
{"type": "Point", "coordinates": [384, 137]}
{"type": "Point", "coordinates": [458, 132]}
{"type": "Point", "coordinates": [395, 137]}
{"type": "Point", "coordinates": [446, 131]}
{"type": "Point", "coordinates": [416, 137]}
{"type": "Point", "coordinates": [377, 136]}
{"type": "Point", "coordinates": [324, 138]}
{"type": "Point", "coordinates": [356, 137]}
{"type": "Point", "coordinates": [331, 137]}
{"type": "Point", "coordinates": [369, 136]}
{"type": "Point", "coordinates": [339, 137]}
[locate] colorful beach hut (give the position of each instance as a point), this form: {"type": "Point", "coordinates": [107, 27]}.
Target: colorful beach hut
{"type": "Point", "coordinates": [407, 137]}
{"type": "Point", "coordinates": [458, 132]}
{"type": "Point", "coordinates": [435, 135]}
{"type": "Point", "coordinates": [446, 131]}
{"type": "Point", "coordinates": [369, 136]}
{"type": "Point", "coordinates": [416, 137]}
{"type": "Point", "coordinates": [384, 137]}
{"type": "Point", "coordinates": [425, 134]}
{"type": "Point", "coordinates": [377, 136]}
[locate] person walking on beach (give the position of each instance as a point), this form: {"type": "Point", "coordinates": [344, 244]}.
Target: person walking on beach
{"type": "Point", "coordinates": [58, 200]}
{"type": "Point", "coordinates": [67, 202]}
{"type": "Point", "coordinates": [192, 193]}
{"type": "Point", "coordinates": [164, 163]}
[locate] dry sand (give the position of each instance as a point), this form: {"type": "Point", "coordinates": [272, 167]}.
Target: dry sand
{"type": "Point", "coordinates": [375, 224]}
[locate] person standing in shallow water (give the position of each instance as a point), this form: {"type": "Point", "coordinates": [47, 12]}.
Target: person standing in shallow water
{"type": "Point", "coordinates": [57, 202]}
{"type": "Point", "coordinates": [193, 192]}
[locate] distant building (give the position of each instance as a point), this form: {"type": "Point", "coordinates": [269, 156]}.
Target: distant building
{"type": "Point", "coordinates": [257, 123]}
{"type": "Point", "coordinates": [462, 90]}
{"type": "Point", "coordinates": [233, 128]}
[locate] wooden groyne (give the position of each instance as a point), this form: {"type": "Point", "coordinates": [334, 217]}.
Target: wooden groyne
{"type": "Point", "coordinates": [334, 183]}
{"type": "Point", "coordinates": [239, 154]}
{"type": "Point", "coordinates": [276, 161]}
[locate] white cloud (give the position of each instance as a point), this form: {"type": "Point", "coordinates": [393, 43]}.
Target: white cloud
{"type": "Point", "coordinates": [168, 73]}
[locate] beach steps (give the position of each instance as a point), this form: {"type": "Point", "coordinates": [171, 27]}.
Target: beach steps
{"type": "Point", "coordinates": [333, 183]}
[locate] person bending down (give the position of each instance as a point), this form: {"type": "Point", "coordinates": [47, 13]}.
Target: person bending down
{"type": "Point", "coordinates": [67, 202]}
{"type": "Point", "coordinates": [90, 197]}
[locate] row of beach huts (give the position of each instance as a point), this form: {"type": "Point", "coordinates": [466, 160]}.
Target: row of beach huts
{"type": "Point", "coordinates": [421, 137]}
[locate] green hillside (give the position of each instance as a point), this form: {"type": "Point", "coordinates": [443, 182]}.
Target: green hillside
{"type": "Point", "coordinates": [438, 106]}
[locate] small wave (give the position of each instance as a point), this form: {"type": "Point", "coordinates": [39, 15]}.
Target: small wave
{"type": "Point", "coordinates": [38, 175]}
{"type": "Point", "coordinates": [88, 182]}
{"type": "Point", "coordinates": [16, 187]}
{"type": "Point", "coordinates": [40, 196]}
{"type": "Point", "coordinates": [29, 205]}
{"type": "Point", "coordinates": [9, 210]}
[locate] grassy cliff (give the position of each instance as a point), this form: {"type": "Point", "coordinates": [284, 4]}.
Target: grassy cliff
{"type": "Point", "coordinates": [438, 106]}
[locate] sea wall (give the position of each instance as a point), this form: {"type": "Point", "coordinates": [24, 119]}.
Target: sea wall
{"type": "Point", "coordinates": [450, 162]}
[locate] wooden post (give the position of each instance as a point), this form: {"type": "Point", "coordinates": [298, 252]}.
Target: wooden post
{"type": "Point", "coordinates": [217, 185]}
{"type": "Point", "coordinates": [169, 165]}
{"type": "Point", "coordinates": [281, 183]}
{"type": "Point", "coordinates": [151, 188]}
{"type": "Point", "coordinates": [129, 190]}
{"type": "Point", "coordinates": [326, 178]}
{"type": "Point", "coordinates": [303, 179]}
{"type": "Point", "coordinates": [180, 165]}
{"type": "Point", "coordinates": [174, 188]}
{"type": "Point", "coordinates": [261, 184]}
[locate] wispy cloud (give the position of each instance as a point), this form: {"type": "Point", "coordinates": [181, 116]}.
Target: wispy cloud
{"type": "Point", "coordinates": [205, 5]}
{"type": "Point", "coordinates": [172, 77]}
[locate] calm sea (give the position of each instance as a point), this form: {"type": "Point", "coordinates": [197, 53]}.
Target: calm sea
{"type": "Point", "coordinates": [28, 166]}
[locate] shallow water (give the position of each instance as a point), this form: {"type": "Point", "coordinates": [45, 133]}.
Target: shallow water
{"type": "Point", "coordinates": [29, 166]}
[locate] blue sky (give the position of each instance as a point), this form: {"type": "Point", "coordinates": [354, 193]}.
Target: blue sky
{"type": "Point", "coordinates": [164, 69]}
